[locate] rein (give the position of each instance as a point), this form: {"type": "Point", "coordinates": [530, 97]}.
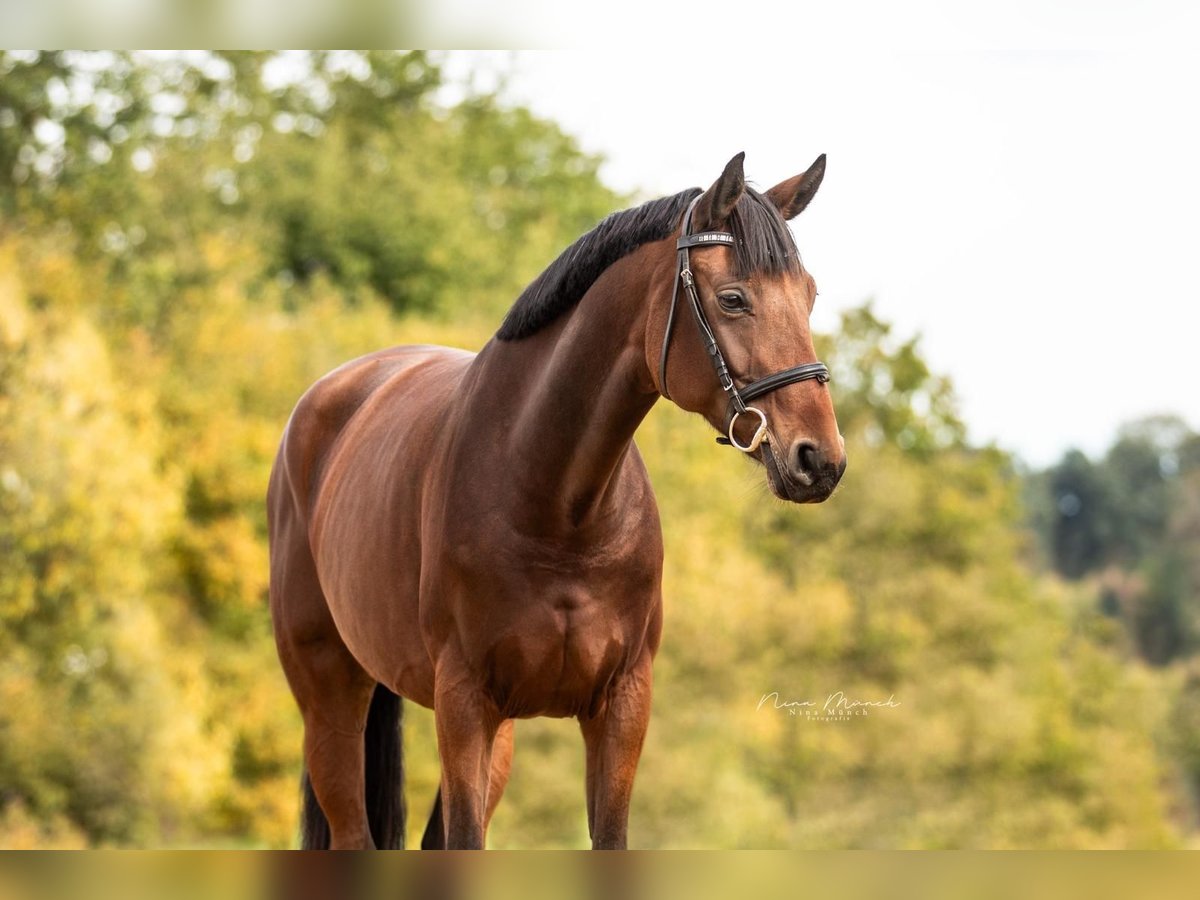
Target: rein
{"type": "Point", "coordinates": [738, 397]}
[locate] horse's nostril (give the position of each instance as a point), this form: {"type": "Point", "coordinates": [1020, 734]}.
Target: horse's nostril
{"type": "Point", "coordinates": [805, 461]}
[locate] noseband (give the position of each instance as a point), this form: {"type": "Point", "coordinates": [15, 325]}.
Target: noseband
{"type": "Point", "coordinates": [738, 397]}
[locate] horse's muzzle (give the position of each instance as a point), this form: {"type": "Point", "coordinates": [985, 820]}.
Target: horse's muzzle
{"type": "Point", "coordinates": [804, 473]}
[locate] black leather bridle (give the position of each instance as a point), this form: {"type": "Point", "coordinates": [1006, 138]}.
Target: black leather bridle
{"type": "Point", "coordinates": [738, 397]}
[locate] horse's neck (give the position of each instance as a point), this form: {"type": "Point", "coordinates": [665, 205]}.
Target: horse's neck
{"type": "Point", "coordinates": [564, 403]}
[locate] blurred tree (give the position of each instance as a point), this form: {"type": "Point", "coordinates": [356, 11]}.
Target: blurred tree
{"type": "Point", "coordinates": [1184, 737]}
{"type": "Point", "coordinates": [1167, 616]}
{"type": "Point", "coordinates": [1081, 515]}
{"type": "Point", "coordinates": [886, 393]}
{"type": "Point", "coordinates": [96, 712]}
{"type": "Point", "coordinates": [1130, 516]}
{"type": "Point", "coordinates": [335, 162]}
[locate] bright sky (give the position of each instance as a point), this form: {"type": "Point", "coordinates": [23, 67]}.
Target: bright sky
{"type": "Point", "coordinates": [1020, 188]}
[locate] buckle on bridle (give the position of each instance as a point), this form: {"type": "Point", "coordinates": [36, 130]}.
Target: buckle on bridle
{"type": "Point", "coordinates": [760, 433]}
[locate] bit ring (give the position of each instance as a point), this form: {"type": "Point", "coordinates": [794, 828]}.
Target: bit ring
{"type": "Point", "coordinates": [760, 433]}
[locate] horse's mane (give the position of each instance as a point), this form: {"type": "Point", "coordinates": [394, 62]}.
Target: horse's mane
{"type": "Point", "coordinates": [764, 244]}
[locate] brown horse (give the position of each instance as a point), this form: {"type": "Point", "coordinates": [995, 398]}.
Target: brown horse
{"type": "Point", "coordinates": [477, 532]}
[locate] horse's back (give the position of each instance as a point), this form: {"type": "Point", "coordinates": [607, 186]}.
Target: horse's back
{"type": "Point", "coordinates": [322, 415]}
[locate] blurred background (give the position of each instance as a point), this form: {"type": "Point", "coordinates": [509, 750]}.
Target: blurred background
{"type": "Point", "coordinates": [189, 239]}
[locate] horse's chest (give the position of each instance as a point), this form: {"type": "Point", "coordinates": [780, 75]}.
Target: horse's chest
{"type": "Point", "coordinates": [560, 660]}
{"type": "Point", "coordinates": [543, 625]}
{"type": "Point", "coordinates": [553, 645]}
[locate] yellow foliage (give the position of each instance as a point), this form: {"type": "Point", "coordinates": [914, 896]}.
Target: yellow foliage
{"type": "Point", "coordinates": [22, 830]}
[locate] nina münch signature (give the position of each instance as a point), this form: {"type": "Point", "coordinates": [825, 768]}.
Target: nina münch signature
{"type": "Point", "coordinates": [836, 704]}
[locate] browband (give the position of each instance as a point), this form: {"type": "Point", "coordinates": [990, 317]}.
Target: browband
{"type": "Point", "coordinates": [704, 237]}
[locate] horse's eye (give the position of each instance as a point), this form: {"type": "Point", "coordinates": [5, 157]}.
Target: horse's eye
{"type": "Point", "coordinates": [731, 301]}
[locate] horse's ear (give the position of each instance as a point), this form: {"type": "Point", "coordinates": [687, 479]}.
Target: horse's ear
{"type": "Point", "coordinates": [791, 196]}
{"type": "Point", "coordinates": [718, 201]}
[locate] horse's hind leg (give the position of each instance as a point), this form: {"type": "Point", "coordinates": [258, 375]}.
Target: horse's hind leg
{"type": "Point", "coordinates": [334, 728]}
{"type": "Point", "coordinates": [614, 743]}
{"type": "Point", "coordinates": [331, 689]}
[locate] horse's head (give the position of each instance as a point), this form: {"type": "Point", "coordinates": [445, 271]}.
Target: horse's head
{"type": "Point", "coordinates": [741, 304]}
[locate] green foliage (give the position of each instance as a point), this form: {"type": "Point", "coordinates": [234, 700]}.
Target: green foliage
{"type": "Point", "coordinates": [191, 240]}
{"type": "Point", "coordinates": [1080, 517]}
{"type": "Point", "coordinates": [338, 164]}
{"type": "Point", "coordinates": [886, 393]}
{"type": "Point", "coordinates": [1131, 522]}
{"type": "Point", "coordinates": [1127, 527]}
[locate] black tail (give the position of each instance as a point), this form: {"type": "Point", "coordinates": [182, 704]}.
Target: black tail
{"type": "Point", "coordinates": [314, 827]}
{"type": "Point", "coordinates": [435, 834]}
{"type": "Point", "coordinates": [385, 770]}
{"type": "Point", "coordinates": [385, 781]}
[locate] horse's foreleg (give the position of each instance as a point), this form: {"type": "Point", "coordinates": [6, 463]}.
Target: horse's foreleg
{"type": "Point", "coordinates": [466, 731]}
{"type": "Point", "coordinates": [502, 751]}
{"type": "Point", "coordinates": [614, 743]}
